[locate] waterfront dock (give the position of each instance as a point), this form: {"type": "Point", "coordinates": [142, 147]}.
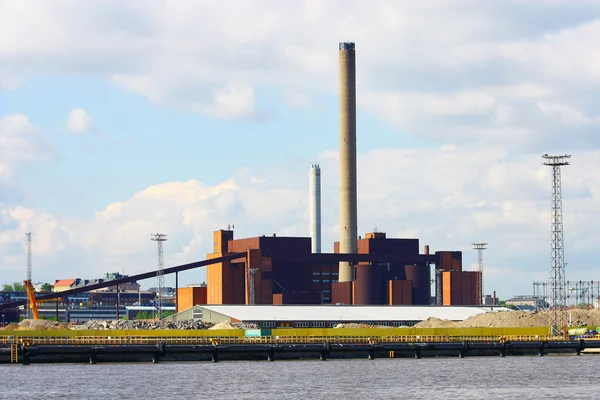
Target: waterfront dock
{"type": "Point", "coordinates": [139, 348]}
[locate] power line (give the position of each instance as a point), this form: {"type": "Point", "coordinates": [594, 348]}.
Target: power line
{"type": "Point", "coordinates": [558, 287]}
{"type": "Point", "coordinates": [159, 238]}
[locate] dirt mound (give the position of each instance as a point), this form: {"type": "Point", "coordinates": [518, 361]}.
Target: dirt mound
{"type": "Point", "coordinates": [433, 322]}
{"type": "Point", "coordinates": [10, 327]}
{"type": "Point", "coordinates": [581, 317]}
{"type": "Point", "coordinates": [224, 325]}
{"type": "Point", "coordinates": [505, 319]}
{"type": "Point", "coordinates": [517, 319]}
{"type": "Point", "coordinates": [40, 325]}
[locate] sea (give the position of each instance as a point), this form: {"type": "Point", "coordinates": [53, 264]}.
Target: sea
{"type": "Point", "coordinates": [512, 377]}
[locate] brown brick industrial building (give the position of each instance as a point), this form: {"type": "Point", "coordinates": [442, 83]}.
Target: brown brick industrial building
{"type": "Point", "coordinates": [285, 271]}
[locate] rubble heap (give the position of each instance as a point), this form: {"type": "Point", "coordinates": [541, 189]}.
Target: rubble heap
{"type": "Point", "coordinates": [141, 324]}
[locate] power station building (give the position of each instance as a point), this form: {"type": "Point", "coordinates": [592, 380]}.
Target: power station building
{"type": "Point", "coordinates": [286, 271]}
{"type": "Point", "coordinates": [374, 270]}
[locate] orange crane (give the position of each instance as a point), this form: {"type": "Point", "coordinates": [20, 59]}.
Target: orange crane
{"type": "Point", "coordinates": [31, 296]}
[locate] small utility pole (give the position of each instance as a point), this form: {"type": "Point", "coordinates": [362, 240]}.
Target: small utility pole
{"type": "Point", "coordinates": [28, 235]}
{"type": "Point", "coordinates": [159, 238]}
{"type": "Point", "coordinates": [479, 289]}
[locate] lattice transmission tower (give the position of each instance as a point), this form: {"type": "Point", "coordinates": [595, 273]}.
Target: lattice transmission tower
{"type": "Point", "coordinates": [159, 238]}
{"type": "Point", "coordinates": [28, 235]}
{"type": "Point", "coordinates": [558, 286]}
{"type": "Point", "coordinates": [480, 247]}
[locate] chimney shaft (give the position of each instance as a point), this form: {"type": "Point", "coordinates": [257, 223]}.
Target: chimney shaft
{"type": "Point", "coordinates": [348, 209]}
{"type": "Point", "coordinates": [315, 208]}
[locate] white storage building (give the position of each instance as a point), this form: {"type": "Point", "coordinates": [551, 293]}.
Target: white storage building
{"type": "Point", "coordinates": [319, 316]}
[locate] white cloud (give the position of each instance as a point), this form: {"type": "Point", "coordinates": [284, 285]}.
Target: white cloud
{"type": "Point", "coordinates": [20, 143]}
{"type": "Point", "coordinates": [569, 53]}
{"type": "Point", "coordinates": [490, 84]}
{"type": "Point", "coordinates": [452, 59]}
{"type": "Point", "coordinates": [234, 101]}
{"type": "Point", "coordinates": [566, 113]}
{"type": "Point", "coordinates": [411, 108]}
{"type": "Point", "coordinates": [447, 197]}
{"type": "Point", "coordinates": [79, 121]}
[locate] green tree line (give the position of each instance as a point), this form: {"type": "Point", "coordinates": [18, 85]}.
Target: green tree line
{"type": "Point", "coordinates": [151, 315]}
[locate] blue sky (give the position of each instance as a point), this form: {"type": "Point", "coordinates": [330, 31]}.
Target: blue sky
{"type": "Point", "coordinates": [122, 119]}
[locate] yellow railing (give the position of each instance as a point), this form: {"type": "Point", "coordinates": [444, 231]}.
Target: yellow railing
{"type": "Point", "coordinates": [281, 335]}
{"type": "Point", "coordinates": [295, 332]}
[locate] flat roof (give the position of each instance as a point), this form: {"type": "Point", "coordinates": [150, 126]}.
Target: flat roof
{"type": "Point", "coordinates": [346, 312]}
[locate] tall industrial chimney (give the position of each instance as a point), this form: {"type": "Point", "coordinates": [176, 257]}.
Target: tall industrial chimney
{"type": "Point", "coordinates": [348, 212]}
{"type": "Point", "coordinates": [315, 208]}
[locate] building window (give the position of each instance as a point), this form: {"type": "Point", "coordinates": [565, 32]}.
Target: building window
{"type": "Point", "coordinates": [267, 324]}
{"type": "Point", "coordinates": [326, 273]}
{"type": "Point", "coordinates": [318, 324]}
{"type": "Point", "coordinates": [316, 273]}
{"type": "Point", "coordinates": [325, 280]}
{"type": "Point", "coordinates": [197, 314]}
{"type": "Point", "coordinates": [316, 281]}
{"type": "Point", "coordinates": [334, 280]}
{"type": "Point", "coordinates": [326, 291]}
{"type": "Point", "coordinates": [301, 324]}
{"type": "Point", "coordinates": [335, 273]}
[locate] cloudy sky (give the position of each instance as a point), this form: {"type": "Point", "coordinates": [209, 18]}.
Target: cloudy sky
{"type": "Point", "coordinates": [120, 119]}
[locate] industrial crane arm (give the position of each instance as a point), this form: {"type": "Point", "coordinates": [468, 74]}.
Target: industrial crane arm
{"type": "Point", "coordinates": [31, 296]}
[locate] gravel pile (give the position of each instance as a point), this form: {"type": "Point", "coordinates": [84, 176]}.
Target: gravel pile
{"type": "Point", "coordinates": [516, 319]}
{"type": "Point", "coordinates": [141, 325]}
{"type": "Point", "coordinates": [35, 324]}
{"type": "Point", "coordinates": [433, 322]}
{"type": "Point", "coordinates": [10, 327]}
{"type": "Point", "coordinates": [228, 325]}
{"type": "Point", "coordinates": [508, 319]}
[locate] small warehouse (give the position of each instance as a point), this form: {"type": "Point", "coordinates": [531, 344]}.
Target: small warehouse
{"type": "Point", "coordinates": [323, 316]}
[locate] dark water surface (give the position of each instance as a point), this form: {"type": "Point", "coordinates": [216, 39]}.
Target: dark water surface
{"type": "Point", "coordinates": [550, 377]}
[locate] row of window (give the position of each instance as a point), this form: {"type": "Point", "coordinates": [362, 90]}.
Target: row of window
{"type": "Point", "coordinates": [326, 273]}
{"type": "Point", "coordinates": [324, 280]}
